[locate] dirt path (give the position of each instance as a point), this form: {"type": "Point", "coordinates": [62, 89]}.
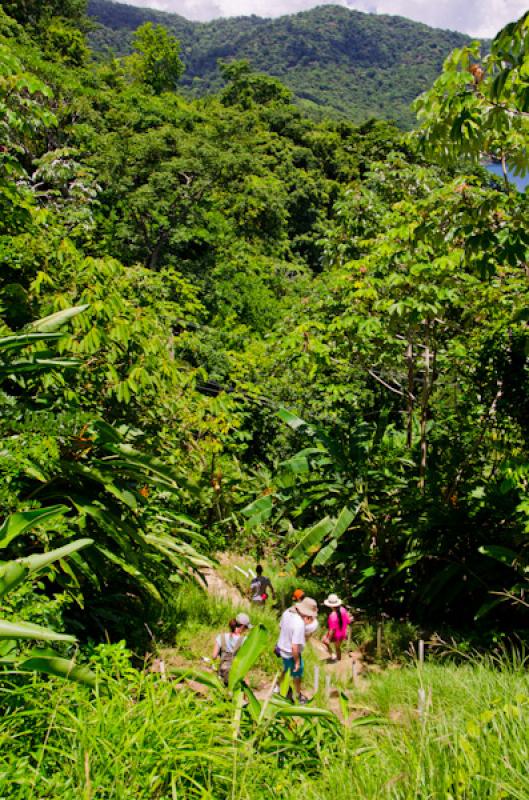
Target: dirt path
{"type": "Point", "coordinates": [332, 673]}
{"type": "Point", "coordinates": [340, 670]}
{"type": "Point", "coordinates": [219, 587]}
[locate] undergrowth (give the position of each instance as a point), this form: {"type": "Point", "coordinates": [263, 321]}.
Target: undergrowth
{"type": "Point", "coordinates": [144, 738]}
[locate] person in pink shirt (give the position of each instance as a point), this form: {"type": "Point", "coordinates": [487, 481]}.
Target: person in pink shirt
{"type": "Point", "coordinates": [337, 623]}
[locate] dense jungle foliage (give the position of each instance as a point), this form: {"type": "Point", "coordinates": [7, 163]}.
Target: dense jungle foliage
{"type": "Point", "coordinates": [336, 61]}
{"type": "Point", "coordinates": [227, 326]}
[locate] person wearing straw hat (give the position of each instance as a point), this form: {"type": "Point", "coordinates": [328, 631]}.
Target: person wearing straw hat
{"type": "Point", "coordinates": [337, 623]}
{"type": "Point", "coordinates": [292, 639]}
{"type": "Point", "coordinates": [297, 596]}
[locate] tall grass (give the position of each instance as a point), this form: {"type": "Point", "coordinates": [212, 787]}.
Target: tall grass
{"type": "Point", "coordinates": [141, 738]}
{"type": "Point", "coordinates": [147, 739]}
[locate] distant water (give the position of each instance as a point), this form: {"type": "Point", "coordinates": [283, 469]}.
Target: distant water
{"type": "Point", "coordinates": [520, 183]}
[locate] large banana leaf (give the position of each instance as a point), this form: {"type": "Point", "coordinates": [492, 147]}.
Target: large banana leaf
{"type": "Point", "coordinates": [133, 571]}
{"type": "Point", "coordinates": [247, 655]}
{"type": "Point", "coordinates": [259, 510]}
{"type": "Point", "coordinates": [16, 524]}
{"type": "Point", "coordinates": [12, 574]}
{"type": "Point", "coordinates": [311, 542]}
{"type": "Point", "coordinates": [41, 560]}
{"type": "Point", "coordinates": [291, 419]}
{"type": "Point", "coordinates": [55, 321]}
{"type": "Point", "coordinates": [24, 630]}
{"type": "Point", "coordinates": [52, 663]}
{"type": "Point", "coordinates": [325, 554]}
{"type": "Point", "coordinates": [20, 340]}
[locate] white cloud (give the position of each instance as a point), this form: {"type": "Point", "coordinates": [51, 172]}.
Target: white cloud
{"type": "Point", "coordinates": [480, 18]}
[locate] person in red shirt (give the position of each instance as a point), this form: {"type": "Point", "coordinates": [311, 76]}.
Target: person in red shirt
{"type": "Point", "coordinates": [337, 623]}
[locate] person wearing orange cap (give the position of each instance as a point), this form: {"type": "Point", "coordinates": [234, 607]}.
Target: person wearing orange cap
{"type": "Point", "coordinates": [298, 595]}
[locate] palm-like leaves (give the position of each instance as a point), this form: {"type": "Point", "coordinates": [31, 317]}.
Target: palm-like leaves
{"type": "Point", "coordinates": [12, 574]}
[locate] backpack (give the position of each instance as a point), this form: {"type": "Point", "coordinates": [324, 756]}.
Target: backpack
{"type": "Point", "coordinates": [226, 658]}
{"type": "Point", "coordinates": [258, 589]}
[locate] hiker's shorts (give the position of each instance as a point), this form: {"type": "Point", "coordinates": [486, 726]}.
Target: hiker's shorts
{"type": "Point", "coordinates": [288, 666]}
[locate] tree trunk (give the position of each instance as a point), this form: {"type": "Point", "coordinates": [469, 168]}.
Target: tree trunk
{"type": "Point", "coordinates": [424, 419]}
{"type": "Point", "coordinates": [409, 403]}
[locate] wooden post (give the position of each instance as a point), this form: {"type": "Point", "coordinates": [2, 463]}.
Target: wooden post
{"type": "Point", "coordinates": [355, 672]}
{"type": "Point", "coordinates": [379, 640]}
{"type": "Point", "coordinates": [421, 702]}
{"type": "Point", "coordinates": [421, 652]}
{"type": "Point", "coordinates": [316, 679]}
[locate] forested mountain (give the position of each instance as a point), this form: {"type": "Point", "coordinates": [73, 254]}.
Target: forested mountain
{"type": "Point", "coordinates": [334, 60]}
{"type": "Point", "coordinates": [221, 251]}
{"type": "Point", "coordinates": [229, 331]}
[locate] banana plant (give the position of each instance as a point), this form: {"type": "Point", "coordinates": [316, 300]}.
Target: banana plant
{"type": "Point", "coordinates": [105, 480]}
{"type": "Point", "coordinates": [317, 478]}
{"type": "Point", "coordinates": [16, 362]}
{"type": "Point", "coordinates": [274, 724]}
{"type": "Point", "coordinates": [12, 575]}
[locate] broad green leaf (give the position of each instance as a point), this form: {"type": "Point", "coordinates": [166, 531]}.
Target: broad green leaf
{"type": "Point", "coordinates": [484, 609]}
{"type": "Point", "coordinates": [55, 321]}
{"type": "Point", "coordinates": [305, 711]}
{"type": "Point", "coordinates": [345, 518]}
{"type": "Point", "coordinates": [24, 630]}
{"type": "Point", "coordinates": [20, 340]}
{"type": "Point", "coordinates": [52, 663]}
{"type": "Point", "coordinates": [254, 705]}
{"type": "Point", "coordinates": [326, 553]}
{"type": "Point", "coordinates": [291, 419]}
{"type": "Point", "coordinates": [247, 655]}
{"type": "Point", "coordinates": [12, 574]}
{"type": "Point", "coordinates": [502, 554]}
{"type": "Point", "coordinates": [16, 524]}
{"type": "Point", "coordinates": [41, 560]}
{"type": "Point", "coordinates": [205, 678]}
{"type": "Point", "coordinates": [311, 542]}
{"type": "Point", "coordinates": [130, 569]}
{"type": "Point", "coordinates": [260, 506]}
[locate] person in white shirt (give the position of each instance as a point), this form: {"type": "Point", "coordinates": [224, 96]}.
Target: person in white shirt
{"type": "Point", "coordinates": [292, 637]}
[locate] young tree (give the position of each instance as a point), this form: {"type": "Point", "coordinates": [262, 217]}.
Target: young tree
{"type": "Point", "coordinates": [480, 104]}
{"type": "Point", "coordinates": [156, 61]}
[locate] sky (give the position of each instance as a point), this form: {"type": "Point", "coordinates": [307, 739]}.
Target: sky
{"type": "Point", "coordinates": [480, 18]}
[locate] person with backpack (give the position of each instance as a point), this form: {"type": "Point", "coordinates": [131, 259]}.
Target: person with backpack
{"type": "Point", "coordinates": [337, 623]}
{"type": "Point", "coordinates": [260, 587]}
{"type": "Point", "coordinates": [228, 644]}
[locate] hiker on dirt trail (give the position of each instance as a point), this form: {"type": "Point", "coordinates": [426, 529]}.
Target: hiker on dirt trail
{"type": "Point", "coordinates": [292, 638]}
{"type": "Point", "coordinates": [337, 623]}
{"type": "Point", "coordinates": [228, 644]}
{"type": "Point", "coordinates": [260, 586]}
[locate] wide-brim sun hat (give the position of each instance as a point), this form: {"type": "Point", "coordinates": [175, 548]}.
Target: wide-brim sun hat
{"type": "Point", "coordinates": [308, 607]}
{"type": "Point", "coordinates": [332, 601]}
{"type": "Point", "coordinates": [243, 619]}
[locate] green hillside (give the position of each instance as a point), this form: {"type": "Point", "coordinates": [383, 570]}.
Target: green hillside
{"type": "Point", "coordinates": [355, 65]}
